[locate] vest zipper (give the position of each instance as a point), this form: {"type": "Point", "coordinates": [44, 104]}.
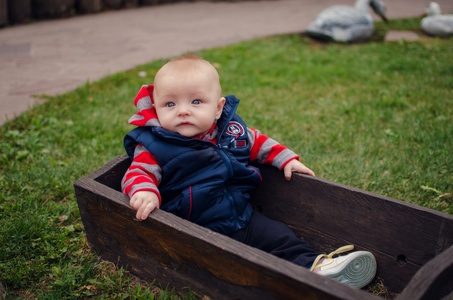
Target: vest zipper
{"type": "Point", "coordinates": [218, 147]}
{"type": "Point", "coordinates": [233, 204]}
{"type": "Point", "coordinates": [190, 203]}
{"type": "Point", "coordinates": [226, 160]}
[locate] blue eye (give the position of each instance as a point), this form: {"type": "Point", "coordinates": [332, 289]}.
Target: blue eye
{"type": "Point", "coordinates": [170, 104]}
{"type": "Point", "coordinates": [196, 101]}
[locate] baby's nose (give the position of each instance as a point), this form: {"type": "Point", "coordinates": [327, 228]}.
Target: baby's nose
{"type": "Point", "coordinates": [183, 111]}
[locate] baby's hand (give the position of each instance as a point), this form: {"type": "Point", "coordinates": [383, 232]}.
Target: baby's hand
{"type": "Point", "coordinates": [144, 202]}
{"type": "Point", "coordinates": [296, 166]}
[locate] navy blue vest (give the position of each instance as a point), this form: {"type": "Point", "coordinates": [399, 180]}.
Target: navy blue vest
{"type": "Point", "coordinates": [205, 183]}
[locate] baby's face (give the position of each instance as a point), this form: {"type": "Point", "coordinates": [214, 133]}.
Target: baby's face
{"type": "Point", "coordinates": [187, 103]}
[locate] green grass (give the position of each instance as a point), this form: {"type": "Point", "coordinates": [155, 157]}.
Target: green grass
{"type": "Point", "coordinates": [376, 116]}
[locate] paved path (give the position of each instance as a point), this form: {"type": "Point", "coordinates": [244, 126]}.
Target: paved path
{"type": "Point", "coordinates": [54, 57]}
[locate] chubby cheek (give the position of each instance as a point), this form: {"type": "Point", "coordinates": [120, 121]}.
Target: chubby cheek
{"type": "Point", "coordinates": [164, 119]}
{"type": "Point", "coordinates": [166, 123]}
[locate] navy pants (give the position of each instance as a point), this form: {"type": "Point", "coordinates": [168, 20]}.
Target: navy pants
{"type": "Point", "coordinates": [277, 239]}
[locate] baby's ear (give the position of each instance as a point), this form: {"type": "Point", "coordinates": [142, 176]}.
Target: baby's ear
{"type": "Point", "coordinates": [220, 108]}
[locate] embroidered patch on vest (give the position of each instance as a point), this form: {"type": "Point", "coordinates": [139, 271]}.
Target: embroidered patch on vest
{"type": "Point", "coordinates": [240, 144]}
{"type": "Point", "coordinates": [235, 129]}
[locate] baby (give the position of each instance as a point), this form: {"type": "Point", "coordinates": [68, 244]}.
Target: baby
{"type": "Point", "coordinates": [190, 156]}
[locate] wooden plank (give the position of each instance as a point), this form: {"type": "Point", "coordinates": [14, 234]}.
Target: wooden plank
{"type": "Point", "coordinates": [402, 236]}
{"type": "Point", "coordinates": [433, 281]}
{"type": "Point", "coordinates": [112, 172]}
{"type": "Point", "coordinates": [183, 254]}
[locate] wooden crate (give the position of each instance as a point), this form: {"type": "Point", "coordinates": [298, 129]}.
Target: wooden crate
{"type": "Point", "coordinates": [412, 244]}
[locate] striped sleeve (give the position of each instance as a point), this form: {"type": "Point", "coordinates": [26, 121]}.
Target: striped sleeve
{"type": "Point", "coordinates": [144, 174]}
{"type": "Point", "coordinates": [265, 150]}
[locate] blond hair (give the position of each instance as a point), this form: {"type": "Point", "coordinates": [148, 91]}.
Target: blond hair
{"type": "Point", "coordinates": [193, 64]}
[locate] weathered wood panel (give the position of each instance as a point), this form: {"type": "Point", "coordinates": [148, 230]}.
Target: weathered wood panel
{"type": "Point", "coordinates": [183, 254]}
{"type": "Point", "coordinates": [433, 281]}
{"type": "Point", "coordinates": [402, 236]}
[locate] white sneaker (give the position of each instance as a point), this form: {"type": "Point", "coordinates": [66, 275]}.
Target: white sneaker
{"type": "Point", "coordinates": [356, 269]}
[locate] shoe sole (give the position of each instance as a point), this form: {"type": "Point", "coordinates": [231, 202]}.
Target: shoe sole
{"type": "Point", "coordinates": [358, 272]}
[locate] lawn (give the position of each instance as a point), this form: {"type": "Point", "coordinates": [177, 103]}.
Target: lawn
{"type": "Point", "coordinates": [376, 116]}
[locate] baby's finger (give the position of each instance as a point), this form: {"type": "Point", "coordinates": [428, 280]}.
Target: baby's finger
{"type": "Point", "coordinates": [308, 171]}
{"type": "Point", "coordinates": [140, 216]}
{"type": "Point", "coordinates": [148, 209]}
{"type": "Point", "coordinates": [135, 202]}
{"type": "Point", "coordinates": [288, 173]}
